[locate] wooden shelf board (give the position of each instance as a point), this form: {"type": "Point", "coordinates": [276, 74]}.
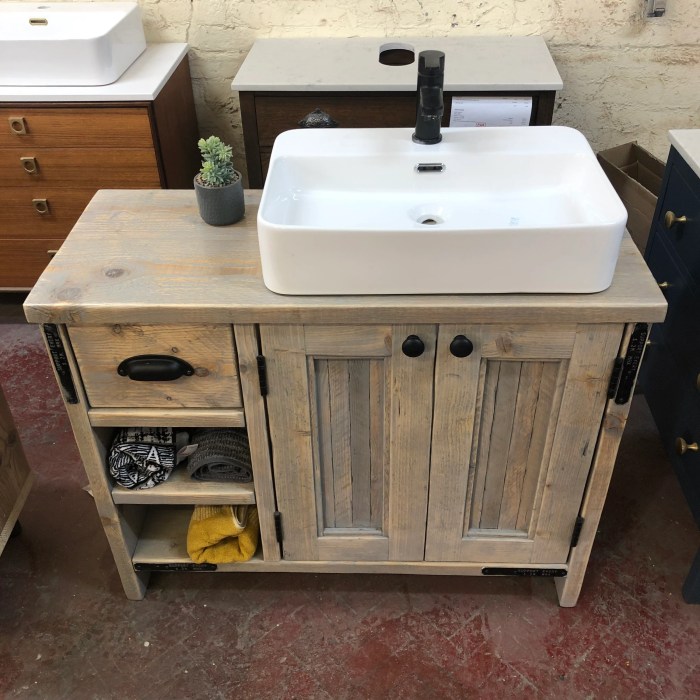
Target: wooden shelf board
{"type": "Point", "coordinates": [173, 417]}
{"type": "Point", "coordinates": [164, 535]}
{"type": "Point", "coordinates": [180, 489]}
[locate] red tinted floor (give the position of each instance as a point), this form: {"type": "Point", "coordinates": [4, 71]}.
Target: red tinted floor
{"type": "Point", "coordinates": [67, 631]}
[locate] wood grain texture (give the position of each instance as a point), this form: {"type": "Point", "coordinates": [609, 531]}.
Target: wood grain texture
{"type": "Point", "coordinates": [15, 475]}
{"type": "Point", "coordinates": [28, 260]}
{"type": "Point", "coordinates": [122, 525]}
{"type": "Point", "coordinates": [78, 167]}
{"type": "Point", "coordinates": [174, 417]}
{"type": "Point", "coordinates": [187, 271]}
{"type": "Point", "coordinates": [248, 349]}
{"type": "Point", "coordinates": [93, 125]}
{"type": "Point", "coordinates": [207, 348]}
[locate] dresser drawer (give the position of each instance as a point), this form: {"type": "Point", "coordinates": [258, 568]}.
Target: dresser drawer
{"type": "Point", "coordinates": [24, 260]}
{"type": "Point", "coordinates": [110, 168]}
{"type": "Point", "coordinates": [681, 328]}
{"type": "Point", "coordinates": [209, 349]}
{"type": "Point", "coordinates": [101, 127]}
{"type": "Point", "coordinates": [60, 207]}
{"type": "Point", "coordinates": [682, 199]}
{"type": "Point", "coordinates": [278, 113]}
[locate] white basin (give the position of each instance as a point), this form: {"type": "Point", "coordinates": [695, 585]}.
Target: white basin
{"type": "Point", "coordinates": [516, 209]}
{"type": "Point", "coordinates": [71, 43]}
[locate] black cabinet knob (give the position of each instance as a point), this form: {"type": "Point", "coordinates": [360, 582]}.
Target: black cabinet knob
{"type": "Point", "coordinates": [413, 346]}
{"type": "Point", "coordinates": [461, 346]}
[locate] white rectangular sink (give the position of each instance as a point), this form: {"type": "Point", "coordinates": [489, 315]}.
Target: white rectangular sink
{"type": "Point", "coordinates": [70, 43]}
{"type": "Point", "coordinates": [365, 211]}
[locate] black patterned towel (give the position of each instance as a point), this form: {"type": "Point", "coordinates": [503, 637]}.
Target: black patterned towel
{"type": "Point", "coordinates": [142, 457]}
{"type": "Point", "coordinates": [222, 454]}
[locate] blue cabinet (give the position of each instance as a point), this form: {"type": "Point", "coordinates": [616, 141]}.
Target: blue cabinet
{"type": "Point", "coordinates": [671, 374]}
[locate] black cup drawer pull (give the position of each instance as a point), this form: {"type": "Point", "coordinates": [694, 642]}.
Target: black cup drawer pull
{"type": "Point", "coordinates": [155, 368]}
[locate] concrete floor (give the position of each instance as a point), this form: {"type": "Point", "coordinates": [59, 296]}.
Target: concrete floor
{"type": "Point", "coordinates": [67, 631]}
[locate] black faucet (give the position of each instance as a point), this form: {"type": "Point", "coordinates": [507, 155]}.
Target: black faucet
{"type": "Point", "coordinates": [431, 75]}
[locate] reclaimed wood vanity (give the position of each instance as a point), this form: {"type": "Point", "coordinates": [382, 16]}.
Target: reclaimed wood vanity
{"type": "Point", "coordinates": [380, 440]}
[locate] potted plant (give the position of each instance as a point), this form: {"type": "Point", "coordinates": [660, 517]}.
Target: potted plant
{"type": "Point", "coordinates": [218, 185]}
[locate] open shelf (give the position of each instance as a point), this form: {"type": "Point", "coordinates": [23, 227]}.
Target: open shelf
{"type": "Point", "coordinates": [181, 489]}
{"type": "Point", "coordinates": [163, 540]}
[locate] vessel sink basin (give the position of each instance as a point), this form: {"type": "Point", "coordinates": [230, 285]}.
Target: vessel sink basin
{"type": "Point", "coordinates": [70, 43]}
{"type": "Point", "coordinates": [487, 210]}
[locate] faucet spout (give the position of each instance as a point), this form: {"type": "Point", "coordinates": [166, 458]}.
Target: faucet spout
{"type": "Point", "coordinates": [431, 76]}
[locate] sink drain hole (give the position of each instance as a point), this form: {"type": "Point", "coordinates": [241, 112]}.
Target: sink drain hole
{"type": "Point", "coordinates": [430, 220]}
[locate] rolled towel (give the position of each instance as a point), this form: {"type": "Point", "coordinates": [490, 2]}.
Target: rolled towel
{"type": "Point", "coordinates": [141, 458]}
{"type": "Point", "coordinates": [222, 454]}
{"type": "Point", "coordinates": [223, 534]}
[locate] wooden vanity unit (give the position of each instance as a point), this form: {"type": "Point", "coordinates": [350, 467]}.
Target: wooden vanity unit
{"type": "Point", "coordinates": [59, 145]}
{"type": "Point", "coordinates": [283, 81]}
{"type": "Point", "coordinates": [380, 440]}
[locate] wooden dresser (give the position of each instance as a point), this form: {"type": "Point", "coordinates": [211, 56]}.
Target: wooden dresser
{"type": "Point", "coordinates": [671, 378]}
{"type": "Point", "coordinates": [380, 440]}
{"type": "Point", "coordinates": [59, 146]}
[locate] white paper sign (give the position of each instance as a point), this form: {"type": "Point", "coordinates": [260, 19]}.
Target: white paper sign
{"type": "Point", "coordinates": [490, 111]}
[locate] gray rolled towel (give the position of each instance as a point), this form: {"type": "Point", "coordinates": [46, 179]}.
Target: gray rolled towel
{"type": "Point", "coordinates": [222, 454]}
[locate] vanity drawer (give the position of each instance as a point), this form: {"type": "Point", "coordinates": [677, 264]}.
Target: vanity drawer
{"type": "Point", "coordinates": [99, 126]}
{"type": "Point", "coordinates": [24, 260]}
{"type": "Point", "coordinates": [111, 168]}
{"type": "Point", "coordinates": [682, 198]}
{"type": "Point", "coordinates": [280, 112]}
{"type": "Point", "coordinates": [209, 349]}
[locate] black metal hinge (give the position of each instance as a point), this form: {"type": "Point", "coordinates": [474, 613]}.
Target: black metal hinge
{"type": "Point", "coordinates": [60, 361]}
{"type": "Point", "coordinates": [278, 526]}
{"type": "Point", "coordinates": [625, 368]}
{"type": "Point", "coordinates": [262, 374]}
{"type": "Point", "coordinates": [578, 526]}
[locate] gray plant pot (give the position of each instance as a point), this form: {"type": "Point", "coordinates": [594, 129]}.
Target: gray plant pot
{"type": "Point", "coordinates": [220, 206]}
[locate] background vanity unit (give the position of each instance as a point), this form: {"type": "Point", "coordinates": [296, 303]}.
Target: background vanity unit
{"type": "Point", "coordinates": [283, 81]}
{"type": "Point", "coordinates": [672, 372]}
{"type": "Point", "coordinates": [59, 145]}
{"type": "Point", "coordinates": [448, 434]}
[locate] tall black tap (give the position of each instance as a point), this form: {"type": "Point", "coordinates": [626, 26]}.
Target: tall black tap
{"type": "Point", "coordinates": [431, 76]}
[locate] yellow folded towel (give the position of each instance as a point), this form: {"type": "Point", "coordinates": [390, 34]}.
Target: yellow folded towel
{"type": "Point", "coordinates": [223, 534]}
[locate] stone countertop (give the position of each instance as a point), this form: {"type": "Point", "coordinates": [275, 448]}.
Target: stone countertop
{"type": "Point", "coordinates": [687, 143]}
{"type": "Point", "coordinates": [145, 256]}
{"type": "Point", "coordinates": [332, 64]}
{"type": "Point", "coordinates": [142, 81]}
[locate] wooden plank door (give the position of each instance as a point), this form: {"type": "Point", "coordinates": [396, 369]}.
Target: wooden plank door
{"type": "Point", "coordinates": [350, 418]}
{"type": "Point", "coordinates": [514, 432]}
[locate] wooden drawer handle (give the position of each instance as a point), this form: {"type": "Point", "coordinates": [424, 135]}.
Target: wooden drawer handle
{"type": "Point", "coordinates": [154, 368]}
{"type": "Point", "coordinates": [18, 125]}
{"type": "Point", "coordinates": [670, 219]}
{"type": "Point", "coordinates": [30, 165]}
{"type": "Point", "coordinates": [318, 119]}
{"type": "Point", "coordinates": [41, 206]}
{"type": "Point", "coordinates": [682, 446]}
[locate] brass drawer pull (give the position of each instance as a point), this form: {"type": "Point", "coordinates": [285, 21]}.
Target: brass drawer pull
{"type": "Point", "coordinates": [664, 286]}
{"type": "Point", "coordinates": [18, 125]}
{"type": "Point", "coordinates": [41, 206]}
{"type": "Point", "coordinates": [682, 446]}
{"type": "Point", "coordinates": [51, 253]}
{"type": "Point", "coordinates": [670, 219]}
{"type": "Point", "coordinates": [30, 165]}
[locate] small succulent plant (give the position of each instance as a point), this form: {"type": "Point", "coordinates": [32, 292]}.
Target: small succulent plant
{"type": "Point", "coordinates": [217, 166]}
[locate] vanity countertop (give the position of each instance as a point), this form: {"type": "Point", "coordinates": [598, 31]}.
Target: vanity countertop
{"type": "Point", "coordinates": [687, 143]}
{"type": "Point", "coordinates": [332, 64]}
{"type": "Point", "coordinates": [146, 255]}
{"type": "Point", "coordinates": [142, 81]}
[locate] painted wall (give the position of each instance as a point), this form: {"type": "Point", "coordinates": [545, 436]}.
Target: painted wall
{"type": "Point", "coordinates": [625, 77]}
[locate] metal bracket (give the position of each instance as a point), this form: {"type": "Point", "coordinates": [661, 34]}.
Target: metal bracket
{"type": "Point", "coordinates": [262, 374]}
{"type": "Point", "coordinates": [278, 526]}
{"type": "Point", "coordinates": [631, 362]}
{"type": "Point", "coordinates": [175, 567]}
{"type": "Point", "coordinates": [60, 361]}
{"type": "Point", "coordinates": [522, 571]}
{"type": "Point", "coordinates": [578, 526]}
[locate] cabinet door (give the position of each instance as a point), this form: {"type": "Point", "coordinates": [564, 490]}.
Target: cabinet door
{"type": "Point", "coordinates": [514, 432]}
{"type": "Point", "coordinates": [350, 418]}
